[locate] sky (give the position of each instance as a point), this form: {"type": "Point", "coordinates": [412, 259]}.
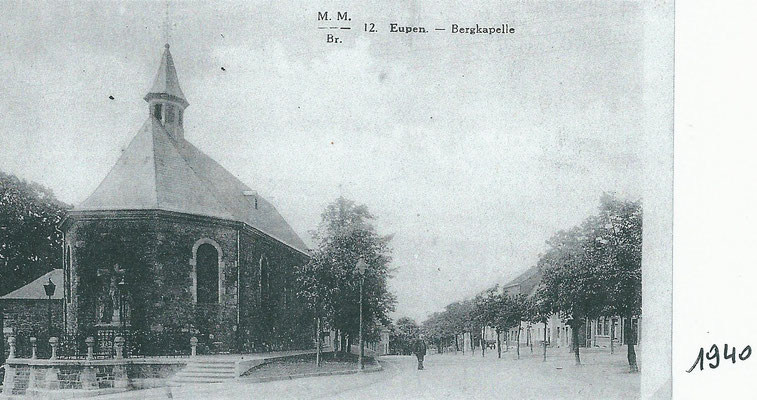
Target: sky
{"type": "Point", "coordinates": [472, 150]}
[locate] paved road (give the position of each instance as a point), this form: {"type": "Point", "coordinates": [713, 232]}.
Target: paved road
{"type": "Point", "coordinates": [602, 376]}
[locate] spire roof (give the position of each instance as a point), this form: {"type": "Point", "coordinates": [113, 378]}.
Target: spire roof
{"type": "Point", "coordinates": [166, 84]}
{"type": "Point", "coordinates": [160, 172]}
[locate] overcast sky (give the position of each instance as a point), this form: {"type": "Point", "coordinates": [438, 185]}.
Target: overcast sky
{"type": "Point", "coordinates": [471, 150]}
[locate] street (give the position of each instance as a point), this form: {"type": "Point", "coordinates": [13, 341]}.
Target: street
{"type": "Point", "coordinates": [447, 376]}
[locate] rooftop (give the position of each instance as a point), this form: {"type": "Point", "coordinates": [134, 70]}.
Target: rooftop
{"type": "Point", "coordinates": [159, 172]}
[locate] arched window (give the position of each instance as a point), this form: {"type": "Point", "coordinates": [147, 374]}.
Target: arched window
{"type": "Point", "coordinates": [207, 274]}
{"type": "Point", "coordinates": [264, 281]}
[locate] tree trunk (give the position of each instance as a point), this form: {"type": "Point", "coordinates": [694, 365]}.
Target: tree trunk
{"type": "Point", "coordinates": [349, 344]}
{"type": "Point", "coordinates": [483, 345]}
{"type": "Point", "coordinates": [462, 346]}
{"type": "Point", "coordinates": [499, 345]}
{"type": "Point", "coordinates": [632, 365]}
{"type": "Point", "coordinates": [318, 342]}
{"type": "Point", "coordinates": [472, 344]}
{"type": "Point", "coordinates": [507, 340]}
{"type": "Point", "coordinates": [517, 341]}
{"type": "Point", "coordinates": [612, 334]}
{"type": "Point", "coordinates": [574, 335]}
{"type": "Point", "coordinates": [530, 339]}
{"type": "Point", "coordinates": [545, 341]}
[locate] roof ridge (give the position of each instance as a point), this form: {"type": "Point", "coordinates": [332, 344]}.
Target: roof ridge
{"type": "Point", "coordinates": [115, 166]}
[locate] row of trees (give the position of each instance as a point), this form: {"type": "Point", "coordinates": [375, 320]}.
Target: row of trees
{"type": "Point", "coordinates": [594, 269]}
{"type": "Point", "coordinates": [493, 309]}
{"type": "Point", "coordinates": [331, 282]}
{"type": "Point", "coordinates": [589, 271]}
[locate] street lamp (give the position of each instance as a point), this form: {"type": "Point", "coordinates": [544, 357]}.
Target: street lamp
{"type": "Point", "coordinates": [361, 265]}
{"type": "Point", "coordinates": [49, 291]}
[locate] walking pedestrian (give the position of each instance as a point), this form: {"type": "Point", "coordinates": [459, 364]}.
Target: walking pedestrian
{"type": "Point", "coordinates": [420, 351]}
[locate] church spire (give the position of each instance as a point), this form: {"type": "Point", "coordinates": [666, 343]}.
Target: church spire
{"type": "Point", "coordinates": [167, 101]}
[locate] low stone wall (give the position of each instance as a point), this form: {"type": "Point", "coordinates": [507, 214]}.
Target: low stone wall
{"type": "Point", "coordinates": [66, 379]}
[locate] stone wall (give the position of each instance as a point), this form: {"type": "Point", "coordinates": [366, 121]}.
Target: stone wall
{"type": "Point", "coordinates": [157, 250]}
{"type": "Point", "coordinates": [84, 378]}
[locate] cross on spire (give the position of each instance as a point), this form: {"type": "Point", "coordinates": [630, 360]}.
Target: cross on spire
{"type": "Point", "coordinates": [167, 23]}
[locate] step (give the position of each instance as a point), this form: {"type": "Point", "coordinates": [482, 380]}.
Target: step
{"type": "Point", "coordinates": [195, 366]}
{"type": "Point", "coordinates": [209, 370]}
{"type": "Point", "coordinates": [176, 382]}
{"type": "Point", "coordinates": [219, 376]}
{"type": "Point", "coordinates": [204, 372]}
{"type": "Point", "coordinates": [213, 362]}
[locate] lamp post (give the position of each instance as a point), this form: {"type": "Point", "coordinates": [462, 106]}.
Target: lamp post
{"type": "Point", "coordinates": [49, 291]}
{"type": "Point", "coordinates": [361, 265]}
{"type": "Point", "coordinates": [121, 305]}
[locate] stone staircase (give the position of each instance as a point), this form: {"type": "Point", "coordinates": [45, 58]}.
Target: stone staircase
{"type": "Point", "coordinates": [205, 371]}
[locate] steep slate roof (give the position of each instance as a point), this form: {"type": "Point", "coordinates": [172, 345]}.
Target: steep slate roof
{"type": "Point", "coordinates": [156, 171]}
{"type": "Point", "coordinates": [525, 283]}
{"type": "Point", "coordinates": [35, 291]}
{"type": "Point", "coordinates": [166, 81]}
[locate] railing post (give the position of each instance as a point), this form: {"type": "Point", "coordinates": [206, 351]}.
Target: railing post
{"type": "Point", "coordinates": [54, 345]}
{"type": "Point", "coordinates": [33, 341]}
{"type": "Point", "coordinates": [120, 378]}
{"type": "Point", "coordinates": [119, 343]}
{"type": "Point", "coordinates": [193, 343]}
{"type": "Point", "coordinates": [90, 341]}
{"type": "Point", "coordinates": [12, 347]}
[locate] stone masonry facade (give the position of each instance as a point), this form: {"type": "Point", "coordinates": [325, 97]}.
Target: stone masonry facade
{"type": "Point", "coordinates": [158, 251]}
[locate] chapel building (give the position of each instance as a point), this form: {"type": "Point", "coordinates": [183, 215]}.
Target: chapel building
{"type": "Point", "coordinates": [171, 243]}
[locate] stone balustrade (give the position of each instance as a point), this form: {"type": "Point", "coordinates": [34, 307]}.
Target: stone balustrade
{"type": "Point", "coordinates": [55, 378]}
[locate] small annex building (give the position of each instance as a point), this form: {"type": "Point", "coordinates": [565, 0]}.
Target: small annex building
{"type": "Point", "coordinates": [29, 312]}
{"type": "Point", "coordinates": [172, 245]}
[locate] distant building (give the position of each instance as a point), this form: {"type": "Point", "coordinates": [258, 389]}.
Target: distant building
{"type": "Point", "coordinates": [170, 241]}
{"type": "Point", "coordinates": [381, 347]}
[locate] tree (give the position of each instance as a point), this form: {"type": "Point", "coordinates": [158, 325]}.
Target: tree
{"type": "Point", "coordinates": [493, 309]}
{"type": "Point", "coordinates": [619, 238]}
{"type": "Point", "coordinates": [538, 311]}
{"type": "Point", "coordinates": [573, 279]}
{"type": "Point", "coordinates": [515, 311]}
{"type": "Point", "coordinates": [459, 316]}
{"type": "Point", "coordinates": [405, 333]}
{"type": "Point", "coordinates": [30, 244]}
{"type": "Point", "coordinates": [316, 289]}
{"type": "Point", "coordinates": [345, 235]}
